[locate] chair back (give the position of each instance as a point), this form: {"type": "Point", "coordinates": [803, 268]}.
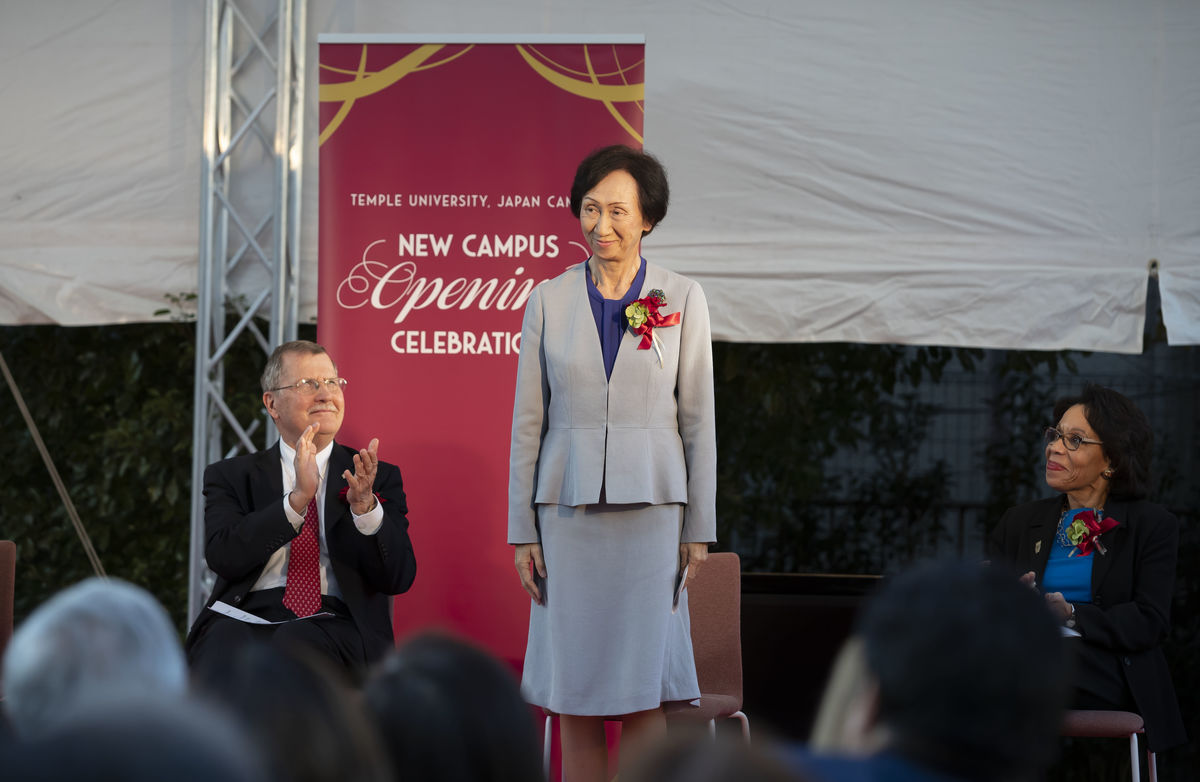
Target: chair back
{"type": "Point", "coordinates": [715, 609]}
{"type": "Point", "coordinates": [8, 579]}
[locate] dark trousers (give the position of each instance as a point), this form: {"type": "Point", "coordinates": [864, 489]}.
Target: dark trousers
{"type": "Point", "coordinates": [1099, 681]}
{"type": "Point", "coordinates": [334, 637]}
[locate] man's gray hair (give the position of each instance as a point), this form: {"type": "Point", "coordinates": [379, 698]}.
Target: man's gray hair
{"type": "Point", "coordinates": [272, 374]}
{"type": "Point", "coordinates": [94, 641]}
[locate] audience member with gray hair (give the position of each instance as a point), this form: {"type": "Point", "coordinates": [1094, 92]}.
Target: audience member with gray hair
{"type": "Point", "coordinates": [140, 739]}
{"type": "Point", "coordinates": [95, 641]}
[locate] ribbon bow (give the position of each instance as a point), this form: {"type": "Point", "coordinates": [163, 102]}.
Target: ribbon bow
{"type": "Point", "coordinates": [644, 317]}
{"type": "Point", "coordinates": [1085, 533]}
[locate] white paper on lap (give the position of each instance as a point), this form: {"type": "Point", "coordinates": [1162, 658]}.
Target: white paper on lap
{"type": "Point", "coordinates": [225, 609]}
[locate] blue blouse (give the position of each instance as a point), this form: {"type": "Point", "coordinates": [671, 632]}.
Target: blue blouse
{"type": "Point", "coordinates": [610, 316]}
{"type": "Point", "coordinates": [1071, 575]}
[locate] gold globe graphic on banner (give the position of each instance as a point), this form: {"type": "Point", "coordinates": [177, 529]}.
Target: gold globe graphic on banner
{"type": "Point", "coordinates": [602, 78]}
{"type": "Point", "coordinates": [363, 82]}
{"type": "Point", "coordinates": [612, 87]}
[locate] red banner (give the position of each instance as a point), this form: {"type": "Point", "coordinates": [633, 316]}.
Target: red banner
{"type": "Point", "coordinates": [445, 177]}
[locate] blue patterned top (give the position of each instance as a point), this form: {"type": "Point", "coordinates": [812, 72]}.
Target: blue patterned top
{"type": "Point", "coordinates": [1071, 575]}
{"type": "Point", "coordinates": [610, 316]}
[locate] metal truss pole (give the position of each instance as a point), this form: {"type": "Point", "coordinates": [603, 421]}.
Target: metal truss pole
{"type": "Point", "coordinates": [249, 256]}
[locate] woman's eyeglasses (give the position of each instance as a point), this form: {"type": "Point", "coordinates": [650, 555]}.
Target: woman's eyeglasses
{"type": "Point", "coordinates": [1070, 441]}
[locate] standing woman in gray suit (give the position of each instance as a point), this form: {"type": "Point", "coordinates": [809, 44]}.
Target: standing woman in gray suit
{"type": "Point", "coordinates": [612, 489]}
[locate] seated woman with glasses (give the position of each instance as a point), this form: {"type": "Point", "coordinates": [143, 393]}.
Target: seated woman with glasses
{"type": "Point", "coordinates": [1104, 558]}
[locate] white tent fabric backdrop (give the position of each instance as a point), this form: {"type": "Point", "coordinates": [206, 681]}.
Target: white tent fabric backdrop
{"type": "Point", "coordinates": [987, 174]}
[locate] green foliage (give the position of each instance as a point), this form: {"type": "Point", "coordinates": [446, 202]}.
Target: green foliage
{"type": "Point", "coordinates": [182, 309]}
{"type": "Point", "coordinates": [114, 407]}
{"type": "Point", "coordinates": [784, 411]}
{"type": "Point", "coordinates": [1026, 383]}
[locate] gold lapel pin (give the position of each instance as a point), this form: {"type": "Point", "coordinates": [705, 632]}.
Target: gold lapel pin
{"type": "Point", "coordinates": [1037, 547]}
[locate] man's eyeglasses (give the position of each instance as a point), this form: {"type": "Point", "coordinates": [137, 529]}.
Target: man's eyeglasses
{"type": "Point", "coordinates": [1071, 441]}
{"type": "Point", "coordinates": [309, 386]}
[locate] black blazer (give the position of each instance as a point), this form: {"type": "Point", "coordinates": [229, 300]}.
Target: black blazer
{"type": "Point", "coordinates": [1130, 613]}
{"type": "Point", "coordinates": [245, 523]}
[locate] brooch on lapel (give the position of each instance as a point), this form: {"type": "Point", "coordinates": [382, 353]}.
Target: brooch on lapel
{"type": "Point", "coordinates": [644, 317]}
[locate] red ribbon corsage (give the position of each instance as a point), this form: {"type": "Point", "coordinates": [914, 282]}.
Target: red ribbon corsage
{"type": "Point", "coordinates": [1085, 532]}
{"type": "Point", "coordinates": [644, 317]}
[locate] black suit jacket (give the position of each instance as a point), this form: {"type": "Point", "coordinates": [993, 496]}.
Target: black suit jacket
{"type": "Point", "coordinates": [245, 523]}
{"type": "Point", "coordinates": [1132, 585]}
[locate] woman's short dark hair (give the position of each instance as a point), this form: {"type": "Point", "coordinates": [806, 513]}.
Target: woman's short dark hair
{"type": "Point", "coordinates": [651, 178]}
{"type": "Point", "coordinates": [449, 711]}
{"type": "Point", "coordinates": [1125, 432]}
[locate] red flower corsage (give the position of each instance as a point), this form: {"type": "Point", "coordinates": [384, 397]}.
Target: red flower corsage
{"type": "Point", "coordinates": [644, 317]}
{"type": "Point", "coordinates": [1085, 532]}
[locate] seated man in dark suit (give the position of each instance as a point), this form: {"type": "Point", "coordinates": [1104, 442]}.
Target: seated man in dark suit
{"type": "Point", "coordinates": [309, 535]}
{"type": "Point", "coordinates": [955, 673]}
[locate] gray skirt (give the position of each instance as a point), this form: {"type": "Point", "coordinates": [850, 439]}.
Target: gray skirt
{"type": "Point", "coordinates": [605, 641]}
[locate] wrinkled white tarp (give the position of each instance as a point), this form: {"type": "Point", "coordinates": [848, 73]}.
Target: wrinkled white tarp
{"type": "Point", "coordinates": [991, 174]}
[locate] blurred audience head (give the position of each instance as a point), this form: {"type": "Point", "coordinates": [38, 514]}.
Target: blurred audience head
{"type": "Point", "coordinates": [695, 756]}
{"type": "Point", "coordinates": [138, 740]}
{"type": "Point", "coordinates": [301, 712]}
{"type": "Point", "coordinates": [962, 670]}
{"type": "Point", "coordinates": [450, 712]}
{"type": "Point", "coordinates": [96, 641]}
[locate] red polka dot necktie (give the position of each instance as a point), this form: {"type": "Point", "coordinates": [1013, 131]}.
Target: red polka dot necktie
{"type": "Point", "coordinates": [302, 595]}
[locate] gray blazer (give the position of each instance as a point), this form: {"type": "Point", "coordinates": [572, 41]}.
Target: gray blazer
{"type": "Point", "coordinates": [648, 433]}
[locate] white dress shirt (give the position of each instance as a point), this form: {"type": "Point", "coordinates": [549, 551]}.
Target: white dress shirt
{"type": "Point", "coordinates": [274, 574]}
